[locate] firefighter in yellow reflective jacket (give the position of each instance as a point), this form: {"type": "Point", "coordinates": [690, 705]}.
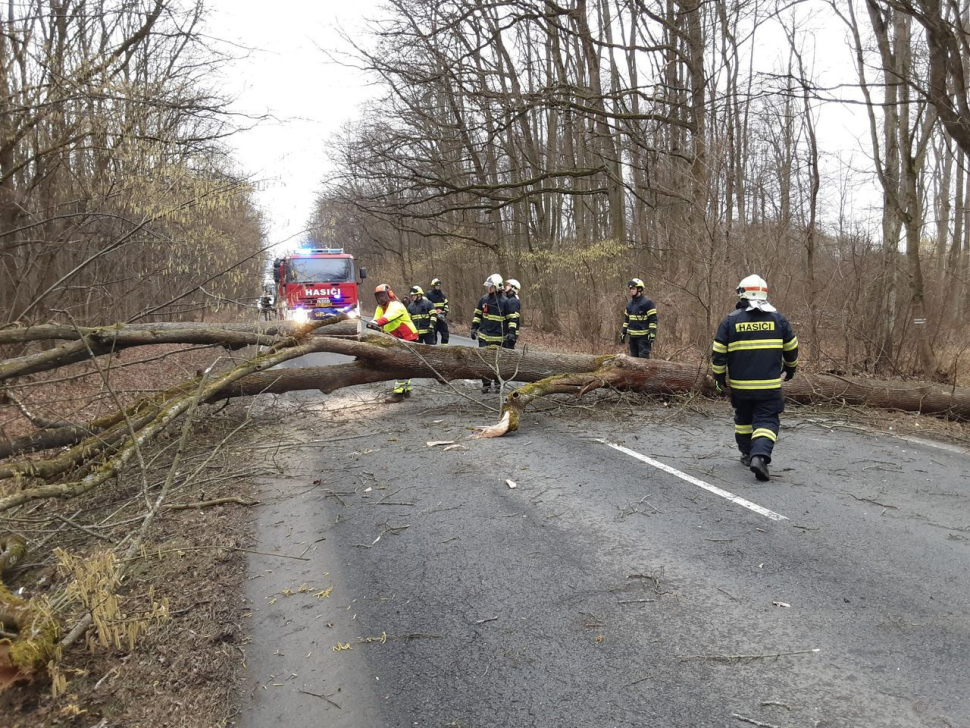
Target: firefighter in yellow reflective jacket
{"type": "Point", "coordinates": [753, 346]}
{"type": "Point", "coordinates": [423, 316]}
{"type": "Point", "coordinates": [392, 318]}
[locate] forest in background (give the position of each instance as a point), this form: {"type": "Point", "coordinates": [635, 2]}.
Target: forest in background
{"type": "Point", "coordinates": [119, 200]}
{"type": "Point", "coordinates": [574, 144]}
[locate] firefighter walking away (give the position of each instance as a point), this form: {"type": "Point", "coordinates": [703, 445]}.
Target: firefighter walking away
{"type": "Point", "coordinates": [639, 321]}
{"type": "Point", "coordinates": [488, 324]}
{"type": "Point", "coordinates": [392, 318]}
{"type": "Point", "coordinates": [423, 315]}
{"type": "Point", "coordinates": [753, 347]}
{"type": "Point", "coordinates": [440, 301]}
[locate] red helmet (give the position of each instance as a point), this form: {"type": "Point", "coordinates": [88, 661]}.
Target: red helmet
{"type": "Point", "coordinates": [384, 288]}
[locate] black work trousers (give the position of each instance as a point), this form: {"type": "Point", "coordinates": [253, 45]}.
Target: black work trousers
{"type": "Point", "coordinates": [487, 382]}
{"type": "Point", "coordinates": [427, 338]}
{"type": "Point", "coordinates": [441, 329]}
{"type": "Point", "coordinates": [756, 423]}
{"type": "Point", "coordinates": [640, 347]}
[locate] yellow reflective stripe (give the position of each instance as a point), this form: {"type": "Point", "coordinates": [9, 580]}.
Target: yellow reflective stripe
{"type": "Point", "coordinates": [720, 348]}
{"type": "Point", "coordinates": [719, 368]}
{"type": "Point", "coordinates": [790, 345]}
{"type": "Point", "coordinates": [638, 317]}
{"type": "Point", "coordinates": [637, 333]}
{"type": "Point", "coordinates": [513, 315]}
{"type": "Point", "coordinates": [754, 344]}
{"type": "Point", "coordinates": [762, 432]}
{"type": "Point", "coordinates": [489, 338]}
{"type": "Point", "coordinates": [743, 429]}
{"type": "Point", "coordinates": [651, 326]}
{"type": "Point", "coordinates": [791, 364]}
{"type": "Point", "coordinates": [755, 383]}
{"type": "Point", "coordinates": [492, 317]}
{"type": "Point", "coordinates": [652, 312]}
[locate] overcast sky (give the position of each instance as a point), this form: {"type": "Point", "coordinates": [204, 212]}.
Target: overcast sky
{"type": "Point", "coordinates": [288, 75]}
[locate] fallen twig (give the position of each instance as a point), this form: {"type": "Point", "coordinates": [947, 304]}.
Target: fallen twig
{"type": "Point", "coordinates": [752, 721]}
{"type": "Point", "coordinates": [387, 529]}
{"type": "Point", "coordinates": [85, 529]}
{"type": "Point", "coordinates": [637, 682]}
{"type": "Point", "coordinates": [209, 503]}
{"type": "Point", "coordinates": [322, 697]}
{"type": "Point", "coordinates": [735, 658]}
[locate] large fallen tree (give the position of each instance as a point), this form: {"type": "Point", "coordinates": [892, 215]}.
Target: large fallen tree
{"type": "Point", "coordinates": [381, 358]}
{"type": "Point", "coordinates": [97, 451]}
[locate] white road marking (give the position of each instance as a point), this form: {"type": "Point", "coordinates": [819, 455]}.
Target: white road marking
{"type": "Point", "coordinates": [699, 483]}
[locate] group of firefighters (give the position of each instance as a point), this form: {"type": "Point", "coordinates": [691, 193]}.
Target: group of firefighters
{"type": "Point", "coordinates": [754, 348]}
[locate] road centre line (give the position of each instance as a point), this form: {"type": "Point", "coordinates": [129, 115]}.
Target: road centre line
{"type": "Point", "coordinates": [699, 483]}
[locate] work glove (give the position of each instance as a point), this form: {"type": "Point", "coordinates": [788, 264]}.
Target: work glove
{"type": "Point", "coordinates": [651, 335]}
{"type": "Point", "coordinates": [510, 339]}
{"type": "Point", "coordinates": [474, 335]}
{"type": "Point", "coordinates": [623, 337]}
{"type": "Point", "coordinates": [789, 373]}
{"type": "Point", "coordinates": [720, 384]}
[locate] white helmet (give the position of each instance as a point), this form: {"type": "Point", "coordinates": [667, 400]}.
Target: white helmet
{"type": "Point", "coordinates": [494, 280]}
{"type": "Point", "coordinates": [753, 288]}
{"type": "Point", "coordinates": [513, 284]}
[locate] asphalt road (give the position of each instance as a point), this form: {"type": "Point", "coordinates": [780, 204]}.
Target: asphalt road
{"type": "Point", "coordinates": [604, 590]}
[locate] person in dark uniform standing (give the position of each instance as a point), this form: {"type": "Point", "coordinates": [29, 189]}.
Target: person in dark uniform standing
{"type": "Point", "coordinates": [639, 321]}
{"type": "Point", "coordinates": [440, 301]}
{"type": "Point", "coordinates": [753, 346]}
{"type": "Point", "coordinates": [488, 324]}
{"type": "Point", "coordinates": [423, 315]}
{"type": "Point", "coordinates": [513, 308]}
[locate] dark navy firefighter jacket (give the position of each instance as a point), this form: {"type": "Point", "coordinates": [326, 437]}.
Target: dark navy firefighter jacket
{"type": "Point", "coordinates": [423, 315]}
{"type": "Point", "coordinates": [489, 319]}
{"type": "Point", "coordinates": [753, 347]}
{"type": "Point", "coordinates": [640, 317]}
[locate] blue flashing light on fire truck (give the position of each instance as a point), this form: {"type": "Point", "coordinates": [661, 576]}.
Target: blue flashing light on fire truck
{"type": "Point", "coordinates": [314, 283]}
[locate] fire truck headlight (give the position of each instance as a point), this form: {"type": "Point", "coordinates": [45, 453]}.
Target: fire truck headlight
{"type": "Point", "coordinates": [300, 315]}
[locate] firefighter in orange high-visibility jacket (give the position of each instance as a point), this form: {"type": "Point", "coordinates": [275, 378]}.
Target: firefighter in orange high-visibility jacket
{"type": "Point", "coordinates": [392, 318]}
{"type": "Point", "coordinates": [753, 347]}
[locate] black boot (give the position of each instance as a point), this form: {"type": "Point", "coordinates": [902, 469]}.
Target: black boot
{"type": "Point", "coordinates": [746, 459]}
{"type": "Point", "coordinates": [759, 467]}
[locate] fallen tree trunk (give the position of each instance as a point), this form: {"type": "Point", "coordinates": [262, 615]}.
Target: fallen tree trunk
{"type": "Point", "coordinates": [379, 359]}
{"type": "Point", "coordinates": [85, 343]}
{"type": "Point", "coordinates": [65, 332]}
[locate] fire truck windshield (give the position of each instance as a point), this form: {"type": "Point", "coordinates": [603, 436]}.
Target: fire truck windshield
{"type": "Point", "coordinates": [319, 270]}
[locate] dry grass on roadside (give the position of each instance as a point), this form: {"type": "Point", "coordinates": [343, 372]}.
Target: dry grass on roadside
{"type": "Point", "coordinates": [184, 669]}
{"type": "Point", "coordinates": [78, 393]}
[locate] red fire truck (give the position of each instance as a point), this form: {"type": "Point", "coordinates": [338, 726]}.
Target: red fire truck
{"type": "Point", "coordinates": [314, 283]}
